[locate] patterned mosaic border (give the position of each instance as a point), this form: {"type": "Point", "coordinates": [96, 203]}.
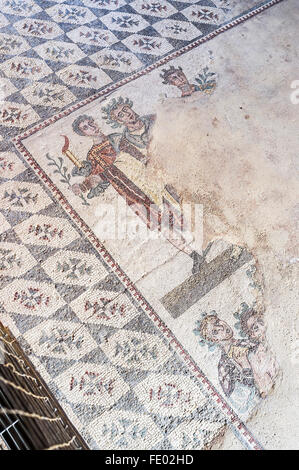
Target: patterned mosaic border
{"type": "Point", "coordinates": [238, 426]}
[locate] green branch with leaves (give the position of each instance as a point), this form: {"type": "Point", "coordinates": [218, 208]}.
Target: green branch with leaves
{"type": "Point", "coordinates": [65, 176]}
{"type": "Point", "coordinates": [206, 80]}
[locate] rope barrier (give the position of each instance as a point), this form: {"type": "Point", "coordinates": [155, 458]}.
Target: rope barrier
{"type": "Point", "coordinates": [61, 446]}
{"type": "Point", "coordinates": [18, 387]}
{"type": "Point", "coordinates": [27, 414]}
{"type": "Point", "coordinates": [14, 370]}
{"type": "Point", "coordinates": [11, 354]}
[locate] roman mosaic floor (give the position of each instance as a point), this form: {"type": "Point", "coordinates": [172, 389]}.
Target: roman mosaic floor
{"type": "Point", "coordinates": [148, 264]}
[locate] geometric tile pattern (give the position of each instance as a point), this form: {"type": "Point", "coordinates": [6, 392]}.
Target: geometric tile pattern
{"type": "Point", "coordinates": [16, 116]}
{"type": "Point", "coordinates": [11, 44]}
{"type": "Point", "coordinates": [45, 94]}
{"type": "Point", "coordinates": [34, 27]}
{"type": "Point", "coordinates": [70, 268]}
{"type": "Point", "coordinates": [20, 196]}
{"type": "Point", "coordinates": [122, 430]}
{"type": "Point", "coordinates": [59, 339]}
{"type": "Point", "coordinates": [10, 165]}
{"type": "Point", "coordinates": [20, 7]}
{"type": "Point", "coordinates": [25, 68]}
{"type": "Point", "coordinates": [92, 384]}
{"type": "Point", "coordinates": [15, 260]}
{"type": "Point", "coordinates": [47, 231]}
{"type": "Point", "coordinates": [170, 395]}
{"type": "Point", "coordinates": [31, 297]}
{"type": "Point", "coordinates": [132, 350]}
{"type": "Point", "coordinates": [106, 309]}
{"type": "Point", "coordinates": [83, 76]}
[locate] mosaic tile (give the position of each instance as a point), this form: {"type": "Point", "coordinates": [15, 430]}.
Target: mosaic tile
{"type": "Point", "coordinates": [38, 28]}
{"type": "Point", "coordinates": [124, 430]}
{"type": "Point", "coordinates": [83, 76]}
{"type": "Point", "coordinates": [70, 14]}
{"type": "Point", "coordinates": [58, 339]}
{"type": "Point", "coordinates": [104, 308]}
{"type": "Point", "coordinates": [47, 94]}
{"type": "Point", "coordinates": [48, 231]}
{"type": "Point", "coordinates": [25, 197]}
{"type": "Point", "coordinates": [158, 9]}
{"type": "Point", "coordinates": [148, 45]}
{"type": "Point", "coordinates": [105, 4]}
{"type": "Point", "coordinates": [136, 350]}
{"type": "Point", "coordinates": [71, 267]}
{"type": "Point", "coordinates": [170, 395]}
{"type": "Point", "coordinates": [10, 165]}
{"type": "Point", "coordinates": [25, 67]}
{"type": "Point", "coordinates": [90, 383]}
{"type": "Point", "coordinates": [204, 14]}
{"type": "Point", "coordinates": [120, 61]}
{"type": "Point", "coordinates": [29, 297]}
{"type": "Point", "coordinates": [17, 115]}
{"type": "Point", "coordinates": [92, 36]}
{"type": "Point", "coordinates": [124, 22]}
{"type": "Point", "coordinates": [11, 44]}
{"type": "Point", "coordinates": [176, 29]}
{"type": "Point", "coordinates": [190, 435]}
{"type": "Point", "coordinates": [15, 260]}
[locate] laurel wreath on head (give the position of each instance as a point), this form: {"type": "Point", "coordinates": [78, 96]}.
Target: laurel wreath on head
{"type": "Point", "coordinates": [197, 331]}
{"type": "Point", "coordinates": [166, 72]}
{"type": "Point", "coordinates": [107, 110]}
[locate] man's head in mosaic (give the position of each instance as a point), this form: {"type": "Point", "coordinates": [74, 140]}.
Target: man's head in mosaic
{"type": "Point", "coordinates": [215, 330]}
{"type": "Point", "coordinates": [120, 113]}
{"type": "Point", "coordinates": [212, 331]}
{"type": "Point", "coordinates": [85, 126]}
{"type": "Point", "coordinates": [251, 324]}
{"type": "Point", "coordinates": [174, 76]}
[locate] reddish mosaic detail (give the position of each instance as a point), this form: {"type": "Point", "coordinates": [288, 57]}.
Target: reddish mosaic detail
{"type": "Point", "coordinates": [92, 383]}
{"type": "Point", "coordinates": [100, 309]}
{"type": "Point", "coordinates": [206, 15]}
{"type": "Point", "coordinates": [94, 36]}
{"type": "Point", "coordinates": [169, 394]}
{"type": "Point", "coordinates": [21, 197]}
{"type": "Point", "coordinates": [13, 114]}
{"type": "Point", "coordinates": [6, 165]}
{"type": "Point", "coordinates": [45, 232]}
{"type": "Point", "coordinates": [82, 77]}
{"type": "Point", "coordinates": [32, 298]}
{"type": "Point", "coordinates": [37, 28]}
{"type": "Point", "coordinates": [147, 44]}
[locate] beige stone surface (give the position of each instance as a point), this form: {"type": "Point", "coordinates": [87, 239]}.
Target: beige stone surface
{"type": "Point", "coordinates": [240, 150]}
